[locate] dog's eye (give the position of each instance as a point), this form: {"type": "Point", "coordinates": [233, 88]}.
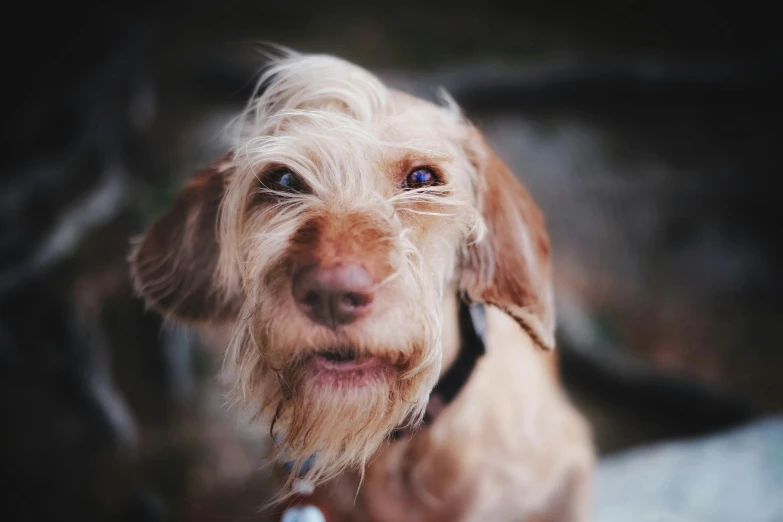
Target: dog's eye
{"type": "Point", "coordinates": [420, 177]}
{"type": "Point", "coordinates": [284, 180]}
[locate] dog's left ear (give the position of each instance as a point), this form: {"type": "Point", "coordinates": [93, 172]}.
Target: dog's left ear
{"type": "Point", "coordinates": [174, 263]}
{"type": "Point", "coordinates": [509, 266]}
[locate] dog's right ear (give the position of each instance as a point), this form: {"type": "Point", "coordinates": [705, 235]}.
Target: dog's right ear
{"type": "Point", "coordinates": [173, 264]}
{"type": "Point", "coordinates": [509, 268]}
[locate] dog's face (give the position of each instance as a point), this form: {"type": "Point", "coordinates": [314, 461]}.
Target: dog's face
{"type": "Point", "coordinates": [328, 238]}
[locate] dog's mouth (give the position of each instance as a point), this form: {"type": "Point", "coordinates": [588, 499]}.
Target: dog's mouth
{"type": "Point", "coordinates": [347, 355]}
{"type": "Point", "coordinates": [347, 366]}
{"type": "Point", "coordinates": [346, 361]}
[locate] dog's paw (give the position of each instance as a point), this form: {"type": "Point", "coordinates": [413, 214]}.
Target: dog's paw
{"type": "Point", "coordinates": [303, 514]}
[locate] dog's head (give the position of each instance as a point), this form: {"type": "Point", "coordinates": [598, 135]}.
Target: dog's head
{"type": "Point", "coordinates": [328, 237]}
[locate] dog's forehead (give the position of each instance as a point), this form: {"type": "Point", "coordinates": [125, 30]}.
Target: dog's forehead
{"type": "Point", "coordinates": [343, 131]}
{"type": "Point", "coordinates": [406, 130]}
{"type": "Point", "coordinates": [412, 118]}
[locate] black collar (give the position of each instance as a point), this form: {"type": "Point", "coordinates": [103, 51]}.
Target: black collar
{"type": "Point", "coordinates": [472, 329]}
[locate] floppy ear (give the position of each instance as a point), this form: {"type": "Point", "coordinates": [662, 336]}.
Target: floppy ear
{"type": "Point", "coordinates": [173, 263]}
{"type": "Point", "coordinates": [509, 266]}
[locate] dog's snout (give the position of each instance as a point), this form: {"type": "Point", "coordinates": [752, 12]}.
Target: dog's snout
{"type": "Point", "coordinates": [335, 295]}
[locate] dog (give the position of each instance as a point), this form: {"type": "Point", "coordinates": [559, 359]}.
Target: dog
{"type": "Point", "coordinates": [341, 241]}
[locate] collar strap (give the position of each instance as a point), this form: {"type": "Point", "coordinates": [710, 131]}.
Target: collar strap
{"type": "Point", "coordinates": [471, 325]}
{"type": "Point", "coordinates": [472, 329]}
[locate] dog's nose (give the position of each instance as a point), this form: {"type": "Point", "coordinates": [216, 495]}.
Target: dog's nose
{"type": "Point", "coordinates": [333, 295]}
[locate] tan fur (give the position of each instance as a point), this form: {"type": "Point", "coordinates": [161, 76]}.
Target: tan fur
{"type": "Point", "coordinates": [509, 448]}
{"type": "Point", "coordinates": [224, 256]}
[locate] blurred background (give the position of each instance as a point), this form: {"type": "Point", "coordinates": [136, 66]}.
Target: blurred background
{"type": "Point", "coordinates": [648, 131]}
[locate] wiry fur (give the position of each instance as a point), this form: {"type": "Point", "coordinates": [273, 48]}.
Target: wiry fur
{"type": "Point", "coordinates": [331, 123]}
{"type": "Point", "coordinates": [352, 142]}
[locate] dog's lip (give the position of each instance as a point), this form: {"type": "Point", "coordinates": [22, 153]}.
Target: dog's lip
{"type": "Point", "coordinates": [327, 362]}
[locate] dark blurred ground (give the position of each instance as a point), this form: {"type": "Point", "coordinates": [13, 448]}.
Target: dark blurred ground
{"type": "Point", "coordinates": [648, 131]}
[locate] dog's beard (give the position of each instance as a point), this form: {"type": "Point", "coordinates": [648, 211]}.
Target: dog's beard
{"type": "Point", "coordinates": [343, 425]}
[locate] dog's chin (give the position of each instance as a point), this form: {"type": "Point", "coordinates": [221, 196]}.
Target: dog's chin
{"type": "Point", "coordinates": [343, 406]}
